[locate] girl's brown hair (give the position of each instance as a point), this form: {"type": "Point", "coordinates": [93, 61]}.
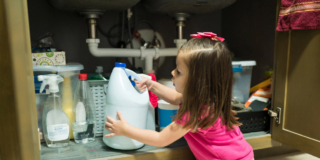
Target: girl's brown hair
{"type": "Point", "coordinates": [208, 89]}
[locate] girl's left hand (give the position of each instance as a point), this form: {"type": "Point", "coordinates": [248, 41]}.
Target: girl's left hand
{"type": "Point", "coordinates": [118, 127]}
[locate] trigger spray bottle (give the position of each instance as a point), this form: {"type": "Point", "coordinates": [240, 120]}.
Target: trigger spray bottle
{"type": "Point", "coordinates": [55, 121]}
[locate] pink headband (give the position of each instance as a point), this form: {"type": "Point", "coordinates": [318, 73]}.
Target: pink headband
{"type": "Point", "coordinates": [211, 35]}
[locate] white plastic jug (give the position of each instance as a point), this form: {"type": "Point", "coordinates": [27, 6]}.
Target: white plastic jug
{"type": "Point", "coordinates": [133, 105]}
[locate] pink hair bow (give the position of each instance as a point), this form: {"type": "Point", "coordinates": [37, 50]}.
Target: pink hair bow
{"type": "Point", "coordinates": [211, 35]}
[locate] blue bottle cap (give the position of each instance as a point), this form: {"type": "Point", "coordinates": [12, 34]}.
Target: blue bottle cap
{"type": "Point", "coordinates": [123, 65]}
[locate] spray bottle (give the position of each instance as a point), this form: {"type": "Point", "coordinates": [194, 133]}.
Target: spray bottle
{"type": "Point", "coordinates": [55, 121]}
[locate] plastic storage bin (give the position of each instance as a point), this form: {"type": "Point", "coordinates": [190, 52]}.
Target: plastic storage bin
{"type": "Point", "coordinates": [254, 121]}
{"type": "Point", "coordinates": [242, 71]}
{"type": "Point", "coordinates": [66, 88]}
{"type": "Point", "coordinates": [166, 112]}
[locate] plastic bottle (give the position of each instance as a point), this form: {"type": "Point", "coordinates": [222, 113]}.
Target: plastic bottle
{"type": "Point", "coordinates": [55, 121]}
{"type": "Point", "coordinates": [98, 75]}
{"type": "Point", "coordinates": [133, 105]}
{"type": "Point", "coordinates": [83, 123]}
{"type": "Point", "coordinates": [67, 101]}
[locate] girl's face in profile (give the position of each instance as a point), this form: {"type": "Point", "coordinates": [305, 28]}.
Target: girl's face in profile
{"type": "Point", "coordinates": [180, 74]}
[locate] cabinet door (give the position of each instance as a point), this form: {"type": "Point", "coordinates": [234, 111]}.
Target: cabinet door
{"type": "Point", "coordinates": [296, 88]}
{"type": "Point", "coordinates": [19, 138]}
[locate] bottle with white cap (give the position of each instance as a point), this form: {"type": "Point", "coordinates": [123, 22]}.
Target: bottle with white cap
{"type": "Point", "coordinates": [55, 121]}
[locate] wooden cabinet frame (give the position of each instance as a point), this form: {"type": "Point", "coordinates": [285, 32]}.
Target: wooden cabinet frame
{"type": "Point", "coordinates": [18, 116]}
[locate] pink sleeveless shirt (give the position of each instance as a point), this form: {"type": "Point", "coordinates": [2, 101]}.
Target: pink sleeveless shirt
{"type": "Point", "coordinates": [217, 143]}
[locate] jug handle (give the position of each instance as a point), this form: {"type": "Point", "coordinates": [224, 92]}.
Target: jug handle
{"type": "Point", "coordinates": [133, 74]}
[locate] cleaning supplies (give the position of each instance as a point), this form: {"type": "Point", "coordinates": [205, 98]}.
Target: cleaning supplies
{"type": "Point", "coordinates": [69, 73]}
{"type": "Point", "coordinates": [153, 98]}
{"type": "Point", "coordinates": [151, 119]}
{"type": "Point", "coordinates": [166, 113]}
{"type": "Point", "coordinates": [67, 100]}
{"type": "Point", "coordinates": [123, 97]}
{"type": "Point", "coordinates": [98, 75]}
{"type": "Point", "coordinates": [83, 123]}
{"type": "Point", "coordinates": [55, 120]}
{"type": "Point", "coordinates": [99, 91]}
{"type": "Point", "coordinates": [133, 83]}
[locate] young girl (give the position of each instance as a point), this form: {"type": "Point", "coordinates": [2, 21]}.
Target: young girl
{"type": "Point", "coordinates": [203, 82]}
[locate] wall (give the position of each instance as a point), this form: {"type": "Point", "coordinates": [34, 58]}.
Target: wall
{"type": "Point", "coordinates": [70, 32]}
{"type": "Point", "coordinates": [247, 25]}
{"type": "Point", "coordinates": [249, 29]}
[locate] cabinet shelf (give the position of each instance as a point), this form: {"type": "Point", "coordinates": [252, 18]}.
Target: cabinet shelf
{"type": "Point", "coordinates": [97, 150]}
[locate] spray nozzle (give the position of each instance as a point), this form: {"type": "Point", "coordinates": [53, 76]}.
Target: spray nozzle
{"type": "Point", "coordinates": [52, 80]}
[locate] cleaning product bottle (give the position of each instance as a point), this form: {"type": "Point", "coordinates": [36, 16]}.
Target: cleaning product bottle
{"type": "Point", "coordinates": [83, 123]}
{"type": "Point", "coordinates": [98, 75]}
{"type": "Point", "coordinates": [153, 103]}
{"type": "Point", "coordinates": [133, 105]}
{"type": "Point", "coordinates": [67, 99]}
{"type": "Point", "coordinates": [54, 120]}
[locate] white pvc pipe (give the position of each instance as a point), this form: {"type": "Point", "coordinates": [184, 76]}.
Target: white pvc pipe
{"type": "Point", "coordinates": [168, 52]}
{"type": "Point", "coordinates": [113, 52]}
{"type": "Point", "coordinates": [149, 64]}
{"type": "Point", "coordinates": [148, 54]}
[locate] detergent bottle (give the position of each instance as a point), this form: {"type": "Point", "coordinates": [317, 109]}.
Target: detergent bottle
{"type": "Point", "coordinates": [55, 121]}
{"type": "Point", "coordinates": [123, 97]}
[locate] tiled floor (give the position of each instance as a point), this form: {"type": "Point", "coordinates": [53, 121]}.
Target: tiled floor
{"type": "Point", "coordinates": [292, 156]}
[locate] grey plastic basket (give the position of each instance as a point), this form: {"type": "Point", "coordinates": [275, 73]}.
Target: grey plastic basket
{"type": "Point", "coordinates": [99, 92]}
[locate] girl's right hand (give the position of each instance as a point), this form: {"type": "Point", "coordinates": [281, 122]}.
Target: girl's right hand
{"type": "Point", "coordinates": [143, 84]}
